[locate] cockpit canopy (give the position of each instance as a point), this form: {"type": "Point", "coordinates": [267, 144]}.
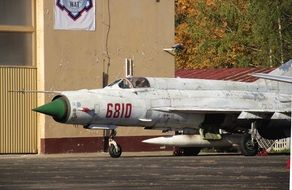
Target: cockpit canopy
{"type": "Point", "coordinates": [131, 82]}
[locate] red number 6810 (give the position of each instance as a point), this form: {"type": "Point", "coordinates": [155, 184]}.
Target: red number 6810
{"type": "Point", "coordinates": [118, 110]}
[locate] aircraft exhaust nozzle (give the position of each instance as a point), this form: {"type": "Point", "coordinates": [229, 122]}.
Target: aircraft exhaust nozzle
{"type": "Point", "coordinates": [194, 141]}
{"type": "Point", "coordinates": [58, 109]}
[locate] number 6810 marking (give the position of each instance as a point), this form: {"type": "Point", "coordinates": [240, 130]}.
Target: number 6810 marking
{"type": "Point", "coordinates": [119, 110]}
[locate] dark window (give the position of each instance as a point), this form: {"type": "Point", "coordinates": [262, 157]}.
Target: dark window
{"type": "Point", "coordinates": [17, 32]}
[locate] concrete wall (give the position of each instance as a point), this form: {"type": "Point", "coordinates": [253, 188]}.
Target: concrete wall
{"type": "Point", "coordinates": [137, 29]}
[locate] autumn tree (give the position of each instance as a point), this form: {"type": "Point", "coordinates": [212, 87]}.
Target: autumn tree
{"type": "Point", "coordinates": [227, 33]}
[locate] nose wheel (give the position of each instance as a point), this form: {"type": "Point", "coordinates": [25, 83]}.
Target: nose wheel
{"type": "Point", "coordinates": [114, 149]}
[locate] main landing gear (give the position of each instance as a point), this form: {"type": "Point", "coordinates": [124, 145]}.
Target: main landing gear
{"type": "Point", "coordinates": [114, 148]}
{"type": "Point", "coordinates": [248, 145]}
{"type": "Point", "coordinates": [249, 142]}
{"type": "Point", "coordinates": [186, 151]}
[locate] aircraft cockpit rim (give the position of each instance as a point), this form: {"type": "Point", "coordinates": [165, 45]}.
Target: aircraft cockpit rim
{"type": "Point", "coordinates": [131, 82]}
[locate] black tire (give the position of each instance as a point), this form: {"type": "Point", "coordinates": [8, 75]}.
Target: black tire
{"type": "Point", "coordinates": [177, 151]}
{"type": "Point", "coordinates": [191, 151]}
{"type": "Point", "coordinates": [248, 148]}
{"type": "Point", "coordinates": [114, 153]}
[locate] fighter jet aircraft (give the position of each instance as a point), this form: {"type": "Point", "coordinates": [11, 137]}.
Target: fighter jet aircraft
{"type": "Point", "coordinates": [196, 110]}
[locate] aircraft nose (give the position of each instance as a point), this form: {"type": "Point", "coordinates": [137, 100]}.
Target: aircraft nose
{"type": "Point", "coordinates": [57, 109]}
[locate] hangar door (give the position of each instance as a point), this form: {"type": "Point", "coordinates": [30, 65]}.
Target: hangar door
{"type": "Point", "coordinates": [18, 133]}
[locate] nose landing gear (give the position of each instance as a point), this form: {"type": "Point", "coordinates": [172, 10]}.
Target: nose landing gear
{"type": "Point", "coordinates": [114, 149]}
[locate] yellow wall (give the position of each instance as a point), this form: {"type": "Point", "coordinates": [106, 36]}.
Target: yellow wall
{"type": "Point", "coordinates": [139, 29]}
{"type": "Point", "coordinates": [18, 129]}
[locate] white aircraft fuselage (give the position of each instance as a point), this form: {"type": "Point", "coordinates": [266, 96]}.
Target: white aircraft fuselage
{"type": "Point", "coordinates": [177, 104]}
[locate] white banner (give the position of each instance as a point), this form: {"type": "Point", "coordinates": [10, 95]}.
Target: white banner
{"type": "Point", "coordinates": [75, 14]}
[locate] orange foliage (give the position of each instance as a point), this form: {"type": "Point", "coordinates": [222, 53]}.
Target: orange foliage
{"type": "Point", "coordinates": [205, 37]}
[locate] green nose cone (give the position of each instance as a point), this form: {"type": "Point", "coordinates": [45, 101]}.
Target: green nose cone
{"type": "Point", "coordinates": [57, 109]}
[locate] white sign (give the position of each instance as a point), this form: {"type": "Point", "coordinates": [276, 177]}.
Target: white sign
{"type": "Point", "coordinates": [75, 14]}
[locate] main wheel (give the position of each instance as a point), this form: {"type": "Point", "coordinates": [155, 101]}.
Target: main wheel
{"type": "Point", "coordinates": [191, 151]}
{"type": "Point", "coordinates": [177, 151]}
{"type": "Point", "coordinates": [115, 152]}
{"type": "Point", "coordinates": [248, 148]}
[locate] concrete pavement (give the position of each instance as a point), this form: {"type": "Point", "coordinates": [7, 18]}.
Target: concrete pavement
{"type": "Point", "coordinates": [157, 170]}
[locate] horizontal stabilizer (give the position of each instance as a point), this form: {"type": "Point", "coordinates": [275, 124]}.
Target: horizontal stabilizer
{"type": "Point", "coordinates": [286, 79]}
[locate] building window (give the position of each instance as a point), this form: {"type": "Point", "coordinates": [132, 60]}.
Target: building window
{"type": "Point", "coordinates": [17, 32]}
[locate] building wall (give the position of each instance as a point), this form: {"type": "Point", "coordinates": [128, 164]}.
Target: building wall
{"type": "Point", "coordinates": [80, 59]}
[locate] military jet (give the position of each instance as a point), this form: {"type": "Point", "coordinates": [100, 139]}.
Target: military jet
{"type": "Point", "coordinates": [202, 113]}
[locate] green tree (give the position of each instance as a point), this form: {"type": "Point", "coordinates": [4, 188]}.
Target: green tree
{"type": "Point", "coordinates": [227, 33]}
{"type": "Point", "coordinates": [271, 31]}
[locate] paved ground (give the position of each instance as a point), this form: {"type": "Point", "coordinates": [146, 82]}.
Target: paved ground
{"type": "Point", "coordinates": [143, 171]}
